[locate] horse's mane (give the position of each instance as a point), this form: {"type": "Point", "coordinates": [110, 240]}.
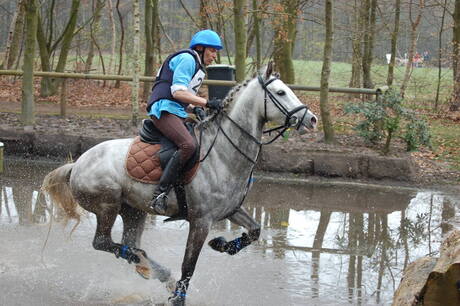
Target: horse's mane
{"type": "Point", "coordinates": [234, 93]}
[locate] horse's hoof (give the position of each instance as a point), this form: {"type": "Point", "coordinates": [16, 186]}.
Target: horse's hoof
{"type": "Point", "coordinates": [144, 272]}
{"type": "Point", "coordinates": [218, 244]}
{"type": "Point", "coordinates": [177, 300]}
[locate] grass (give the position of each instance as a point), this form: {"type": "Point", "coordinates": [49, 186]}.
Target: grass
{"type": "Point", "coordinates": [446, 141]}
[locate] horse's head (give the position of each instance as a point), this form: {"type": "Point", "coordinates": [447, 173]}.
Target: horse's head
{"type": "Point", "coordinates": [281, 105]}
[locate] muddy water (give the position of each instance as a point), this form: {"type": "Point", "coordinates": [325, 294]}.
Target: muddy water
{"type": "Point", "coordinates": [321, 244]}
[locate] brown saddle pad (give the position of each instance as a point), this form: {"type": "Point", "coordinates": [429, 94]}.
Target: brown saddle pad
{"type": "Point", "coordinates": [143, 163]}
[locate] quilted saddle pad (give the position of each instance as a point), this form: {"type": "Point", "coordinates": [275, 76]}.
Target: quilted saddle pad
{"type": "Point", "coordinates": [143, 163]}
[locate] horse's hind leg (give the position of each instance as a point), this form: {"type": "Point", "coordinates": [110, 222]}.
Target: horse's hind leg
{"type": "Point", "coordinates": [133, 227]}
{"type": "Point", "coordinates": [240, 217]}
{"type": "Point", "coordinates": [103, 239]}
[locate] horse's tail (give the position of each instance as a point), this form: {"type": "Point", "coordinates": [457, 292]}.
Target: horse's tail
{"type": "Point", "coordinates": [56, 184]}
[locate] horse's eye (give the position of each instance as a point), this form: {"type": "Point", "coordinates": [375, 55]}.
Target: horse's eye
{"type": "Point", "coordinates": [281, 92]}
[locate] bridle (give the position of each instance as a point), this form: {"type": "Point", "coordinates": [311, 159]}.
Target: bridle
{"type": "Point", "coordinates": [290, 121]}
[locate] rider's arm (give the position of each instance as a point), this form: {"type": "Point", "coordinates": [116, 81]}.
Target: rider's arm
{"type": "Point", "coordinates": [184, 69]}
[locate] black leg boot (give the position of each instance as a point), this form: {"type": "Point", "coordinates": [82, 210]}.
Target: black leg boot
{"type": "Point", "coordinates": [167, 180]}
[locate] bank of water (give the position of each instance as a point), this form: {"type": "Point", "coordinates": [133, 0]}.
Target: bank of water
{"type": "Point", "coordinates": [321, 243]}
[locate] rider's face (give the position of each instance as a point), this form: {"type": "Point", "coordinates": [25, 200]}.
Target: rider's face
{"type": "Point", "coordinates": [210, 55]}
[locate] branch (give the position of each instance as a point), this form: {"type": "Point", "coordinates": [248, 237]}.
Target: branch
{"type": "Point", "coordinates": [188, 13]}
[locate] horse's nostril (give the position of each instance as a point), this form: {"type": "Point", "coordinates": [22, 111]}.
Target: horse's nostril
{"type": "Point", "coordinates": [313, 120]}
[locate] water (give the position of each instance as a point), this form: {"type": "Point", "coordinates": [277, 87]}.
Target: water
{"type": "Point", "coordinates": [321, 244]}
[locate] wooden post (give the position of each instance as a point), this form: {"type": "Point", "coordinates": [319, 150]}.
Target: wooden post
{"type": "Point", "coordinates": [1, 157]}
{"type": "Point", "coordinates": [63, 98]}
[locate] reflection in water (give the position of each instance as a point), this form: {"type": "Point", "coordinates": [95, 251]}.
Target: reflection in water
{"type": "Point", "coordinates": [338, 242]}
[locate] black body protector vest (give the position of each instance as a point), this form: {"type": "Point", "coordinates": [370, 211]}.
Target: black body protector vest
{"type": "Point", "coordinates": [162, 87]}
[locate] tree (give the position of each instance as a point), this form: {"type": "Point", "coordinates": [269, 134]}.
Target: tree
{"type": "Point", "coordinates": [14, 37]}
{"type": "Point", "coordinates": [394, 40]}
{"type": "Point", "coordinates": [285, 32]}
{"type": "Point", "coordinates": [47, 47]}
{"type": "Point", "coordinates": [356, 37]}
{"type": "Point", "coordinates": [239, 10]}
{"type": "Point", "coordinates": [368, 18]}
{"type": "Point", "coordinates": [28, 107]}
{"type": "Point", "coordinates": [151, 38]}
{"type": "Point", "coordinates": [94, 29]}
{"type": "Point", "coordinates": [413, 41]}
{"type": "Point", "coordinates": [122, 40]}
{"type": "Point", "coordinates": [455, 100]}
{"type": "Point", "coordinates": [136, 63]}
{"type": "Point", "coordinates": [328, 128]}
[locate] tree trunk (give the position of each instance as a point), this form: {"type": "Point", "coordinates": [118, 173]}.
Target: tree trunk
{"type": "Point", "coordinates": [357, 57]}
{"type": "Point", "coordinates": [14, 37]}
{"type": "Point", "coordinates": [257, 35]}
{"type": "Point", "coordinates": [122, 38]}
{"type": "Point", "coordinates": [94, 29]}
{"type": "Point", "coordinates": [285, 33]}
{"type": "Point", "coordinates": [239, 10]}
{"type": "Point", "coordinates": [45, 83]}
{"type": "Point", "coordinates": [28, 107]}
{"type": "Point", "coordinates": [203, 14]}
{"type": "Point", "coordinates": [114, 36]}
{"type": "Point", "coordinates": [394, 40]}
{"type": "Point", "coordinates": [369, 33]}
{"type": "Point", "coordinates": [455, 101]}
{"type": "Point", "coordinates": [413, 44]}
{"type": "Point", "coordinates": [151, 33]}
{"type": "Point", "coordinates": [441, 30]}
{"type": "Point", "coordinates": [136, 63]}
{"type": "Point", "coordinates": [328, 128]}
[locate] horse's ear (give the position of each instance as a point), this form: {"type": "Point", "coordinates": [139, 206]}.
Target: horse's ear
{"type": "Point", "coordinates": [269, 70]}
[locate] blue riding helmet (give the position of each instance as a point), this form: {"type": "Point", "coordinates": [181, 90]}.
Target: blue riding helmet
{"type": "Point", "coordinates": [206, 38]}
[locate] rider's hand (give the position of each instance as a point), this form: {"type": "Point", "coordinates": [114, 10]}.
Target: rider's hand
{"type": "Point", "coordinates": [215, 103]}
{"type": "Point", "coordinates": [199, 112]}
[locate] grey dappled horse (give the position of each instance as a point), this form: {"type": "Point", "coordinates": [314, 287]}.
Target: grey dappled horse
{"type": "Point", "coordinates": [231, 142]}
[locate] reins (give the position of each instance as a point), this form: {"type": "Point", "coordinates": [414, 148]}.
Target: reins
{"type": "Point", "coordinates": [287, 124]}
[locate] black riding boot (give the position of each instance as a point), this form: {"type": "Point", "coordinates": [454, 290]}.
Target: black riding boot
{"type": "Point", "coordinates": [167, 180]}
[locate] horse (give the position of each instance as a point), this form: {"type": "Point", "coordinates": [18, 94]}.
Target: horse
{"type": "Point", "coordinates": [232, 139]}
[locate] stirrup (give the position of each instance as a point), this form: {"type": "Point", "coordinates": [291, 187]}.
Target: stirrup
{"type": "Point", "coordinates": [158, 204]}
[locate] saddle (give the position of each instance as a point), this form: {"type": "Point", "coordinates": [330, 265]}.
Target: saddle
{"type": "Point", "coordinates": [150, 152]}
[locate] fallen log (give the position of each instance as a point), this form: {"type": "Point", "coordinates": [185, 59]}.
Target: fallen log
{"type": "Point", "coordinates": [433, 281]}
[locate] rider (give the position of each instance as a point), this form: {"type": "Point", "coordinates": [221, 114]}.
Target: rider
{"type": "Point", "coordinates": [175, 92]}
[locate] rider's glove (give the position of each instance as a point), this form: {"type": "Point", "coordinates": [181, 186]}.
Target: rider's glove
{"type": "Point", "coordinates": [199, 112]}
{"type": "Point", "coordinates": [215, 103]}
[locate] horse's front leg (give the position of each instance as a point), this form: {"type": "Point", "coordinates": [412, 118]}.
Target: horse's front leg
{"type": "Point", "coordinates": [240, 217]}
{"type": "Point", "coordinates": [198, 232]}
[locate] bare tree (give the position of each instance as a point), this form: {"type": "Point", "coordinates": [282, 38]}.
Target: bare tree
{"type": "Point", "coordinates": [455, 100]}
{"type": "Point", "coordinates": [151, 39]}
{"type": "Point", "coordinates": [94, 29]}
{"type": "Point", "coordinates": [394, 40]}
{"type": "Point", "coordinates": [239, 9]}
{"type": "Point", "coordinates": [14, 36]}
{"type": "Point", "coordinates": [329, 135]}
{"type": "Point", "coordinates": [122, 40]}
{"type": "Point", "coordinates": [285, 31]}
{"type": "Point", "coordinates": [28, 106]}
{"type": "Point", "coordinates": [368, 17]}
{"type": "Point", "coordinates": [356, 38]}
{"type": "Point", "coordinates": [136, 63]}
{"type": "Point", "coordinates": [413, 40]}
{"type": "Point", "coordinates": [47, 46]}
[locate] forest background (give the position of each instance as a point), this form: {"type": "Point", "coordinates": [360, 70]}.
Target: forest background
{"type": "Point", "coordinates": [313, 42]}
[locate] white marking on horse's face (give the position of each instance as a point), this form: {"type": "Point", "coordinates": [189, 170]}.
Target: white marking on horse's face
{"type": "Point", "coordinates": [287, 98]}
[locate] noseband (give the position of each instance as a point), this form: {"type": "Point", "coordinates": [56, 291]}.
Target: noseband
{"type": "Point", "coordinates": [291, 120]}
